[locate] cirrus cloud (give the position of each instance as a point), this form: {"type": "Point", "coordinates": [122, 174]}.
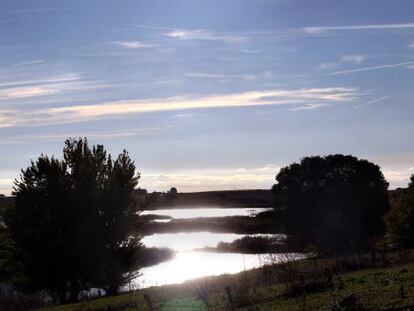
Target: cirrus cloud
{"type": "Point", "coordinates": [134, 44]}
{"type": "Point", "coordinates": [202, 34]}
{"type": "Point", "coordinates": [356, 59]}
{"type": "Point", "coordinates": [77, 113]}
{"type": "Point", "coordinates": [190, 180]}
{"type": "Point", "coordinates": [322, 29]}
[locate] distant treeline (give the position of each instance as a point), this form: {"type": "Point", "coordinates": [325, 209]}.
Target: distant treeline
{"type": "Point", "coordinates": [6, 201]}
{"type": "Point", "coordinates": [227, 198]}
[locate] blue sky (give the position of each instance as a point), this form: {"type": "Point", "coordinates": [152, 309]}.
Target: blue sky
{"type": "Point", "coordinates": [209, 94]}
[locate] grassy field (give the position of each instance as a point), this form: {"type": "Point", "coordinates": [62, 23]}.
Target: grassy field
{"type": "Point", "coordinates": [322, 284]}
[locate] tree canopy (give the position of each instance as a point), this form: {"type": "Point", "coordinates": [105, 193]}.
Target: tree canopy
{"type": "Point", "coordinates": [74, 221]}
{"type": "Point", "coordinates": [400, 221]}
{"type": "Point", "coordinates": [335, 202]}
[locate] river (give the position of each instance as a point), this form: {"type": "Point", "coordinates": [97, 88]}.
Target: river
{"type": "Point", "coordinates": [189, 262]}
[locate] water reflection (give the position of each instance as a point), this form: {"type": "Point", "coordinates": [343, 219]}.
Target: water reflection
{"type": "Point", "coordinates": [162, 220]}
{"type": "Point", "coordinates": [184, 213]}
{"type": "Point", "coordinates": [185, 241]}
{"type": "Point", "coordinates": [188, 241]}
{"type": "Point", "coordinates": [190, 263]}
{"type": "Point", "coordinates": [194, 264]}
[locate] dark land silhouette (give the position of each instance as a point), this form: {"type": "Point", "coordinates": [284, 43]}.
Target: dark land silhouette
{"type": "Point", "coordinates": [223, 199]}
{"type": "Point", "coordinates": [75, 224]}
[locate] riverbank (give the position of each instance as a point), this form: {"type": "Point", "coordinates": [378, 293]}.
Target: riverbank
{"type": "Point", "coordinates": [311, 284]}
{"type": "Point", "coordinates": [257, 244]}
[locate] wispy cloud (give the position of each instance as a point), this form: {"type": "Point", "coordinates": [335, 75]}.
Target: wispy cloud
{"type": "Point", "coordinates": [201, 34]}
{"type": "Point", "coordinates": [101, 135]}
{"type": "Point", "coordinates": [250, 51]}
{"type": "Point", "coordinates": [70, 77]}
{"type": "Point", "coordinates": [134, 44]}
{"type": "Point", "coordinates": [352, 58]}
{"type": "Point", "coordinates": [150, 27]}
{"type": "Point", "coordinates": [322, 29]}
{"type": "Point", "coordinates": [23, 92]}
{"type": "Point", "coordinates": [210, 179]}
{"type": "Point", "coordinates": [182, 115]}
{"type": "Point", "coordinates": [411, 45]}
{"type": "Point", "coordinates": [33, 10]}
{"type": "Point", "coordinates": [32, 62]}
{"type": "Point", "coordinates": [73, 114]}
{"type": "Point", "coordinates": [376, 100]}
{"type": "Point", "coordinates": [239, 37]}
{"type": "Point", "coordinates": [206, 75]}
{"type": "Point", "coordinates": [326, 66]}
{"type": "Point", "coordinates": [51, 90]}
{"type": "Point", "coordinates": [379, 67]}
{"type": "Point", "coordinates": [219, 76]}
{"type": "Point", "coordinates": [309, 107]}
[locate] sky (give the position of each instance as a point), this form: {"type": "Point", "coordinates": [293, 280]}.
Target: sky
{"type": "Point", "coordinates": [208, 95]}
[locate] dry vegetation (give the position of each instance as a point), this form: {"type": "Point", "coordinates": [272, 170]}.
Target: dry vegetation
{"type": "Point", "coordinates": [346, 283]}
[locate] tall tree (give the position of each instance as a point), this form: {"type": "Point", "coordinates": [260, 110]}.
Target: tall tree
{"type": "Point", "coordinates": [335, 202]}
{"type": "Point", "coordinates": [39, 223]}
{"type": "Point", "coordinates": [75, 221]}
{"type": "Point", "coordinates": [120, 211]}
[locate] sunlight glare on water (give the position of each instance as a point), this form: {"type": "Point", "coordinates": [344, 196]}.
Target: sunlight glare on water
{"type": "Point", "coordinates": [194, 264]}
{"type": "Point", "coordinates": [188, 241]}
{"type": "Point", "coordinates": [186, 213]}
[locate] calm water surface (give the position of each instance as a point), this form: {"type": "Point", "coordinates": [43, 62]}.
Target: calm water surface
{"type": "Point", "coordinates": [190, 263]}
{"type": "Point", "coordinates": [185, 213]}
{"type": "Point", "coordinates": [193, 240]}
{"type": "Point", "coordinates": [188, 241]}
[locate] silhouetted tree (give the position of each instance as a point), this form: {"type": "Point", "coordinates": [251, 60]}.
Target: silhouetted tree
{"type": "Point", "coordinates": [173, 193]}
{"type": "Point", "coordinates": [121, 230]}
{"type": "Point", "coordinates": [335, 202]}
{"type": "Point", "coordinates": [400, 220]}
{"type": "Point", "coordinates": [75, 221]}
{"type": "Point", "coordinates": [39, 223]}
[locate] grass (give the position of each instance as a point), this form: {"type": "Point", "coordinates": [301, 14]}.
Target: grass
{"type": "Point", "coordinates": [375, 289]}
{"type": "Point", "coordinates": [183, 304]}
{"type": "Point", "coordinates": [279, 287]}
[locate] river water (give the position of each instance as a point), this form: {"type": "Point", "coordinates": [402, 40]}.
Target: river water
{"type": "Point", "coordinates": [186, 213]}
{"type": "Point", "coordinates": [189, 262]}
